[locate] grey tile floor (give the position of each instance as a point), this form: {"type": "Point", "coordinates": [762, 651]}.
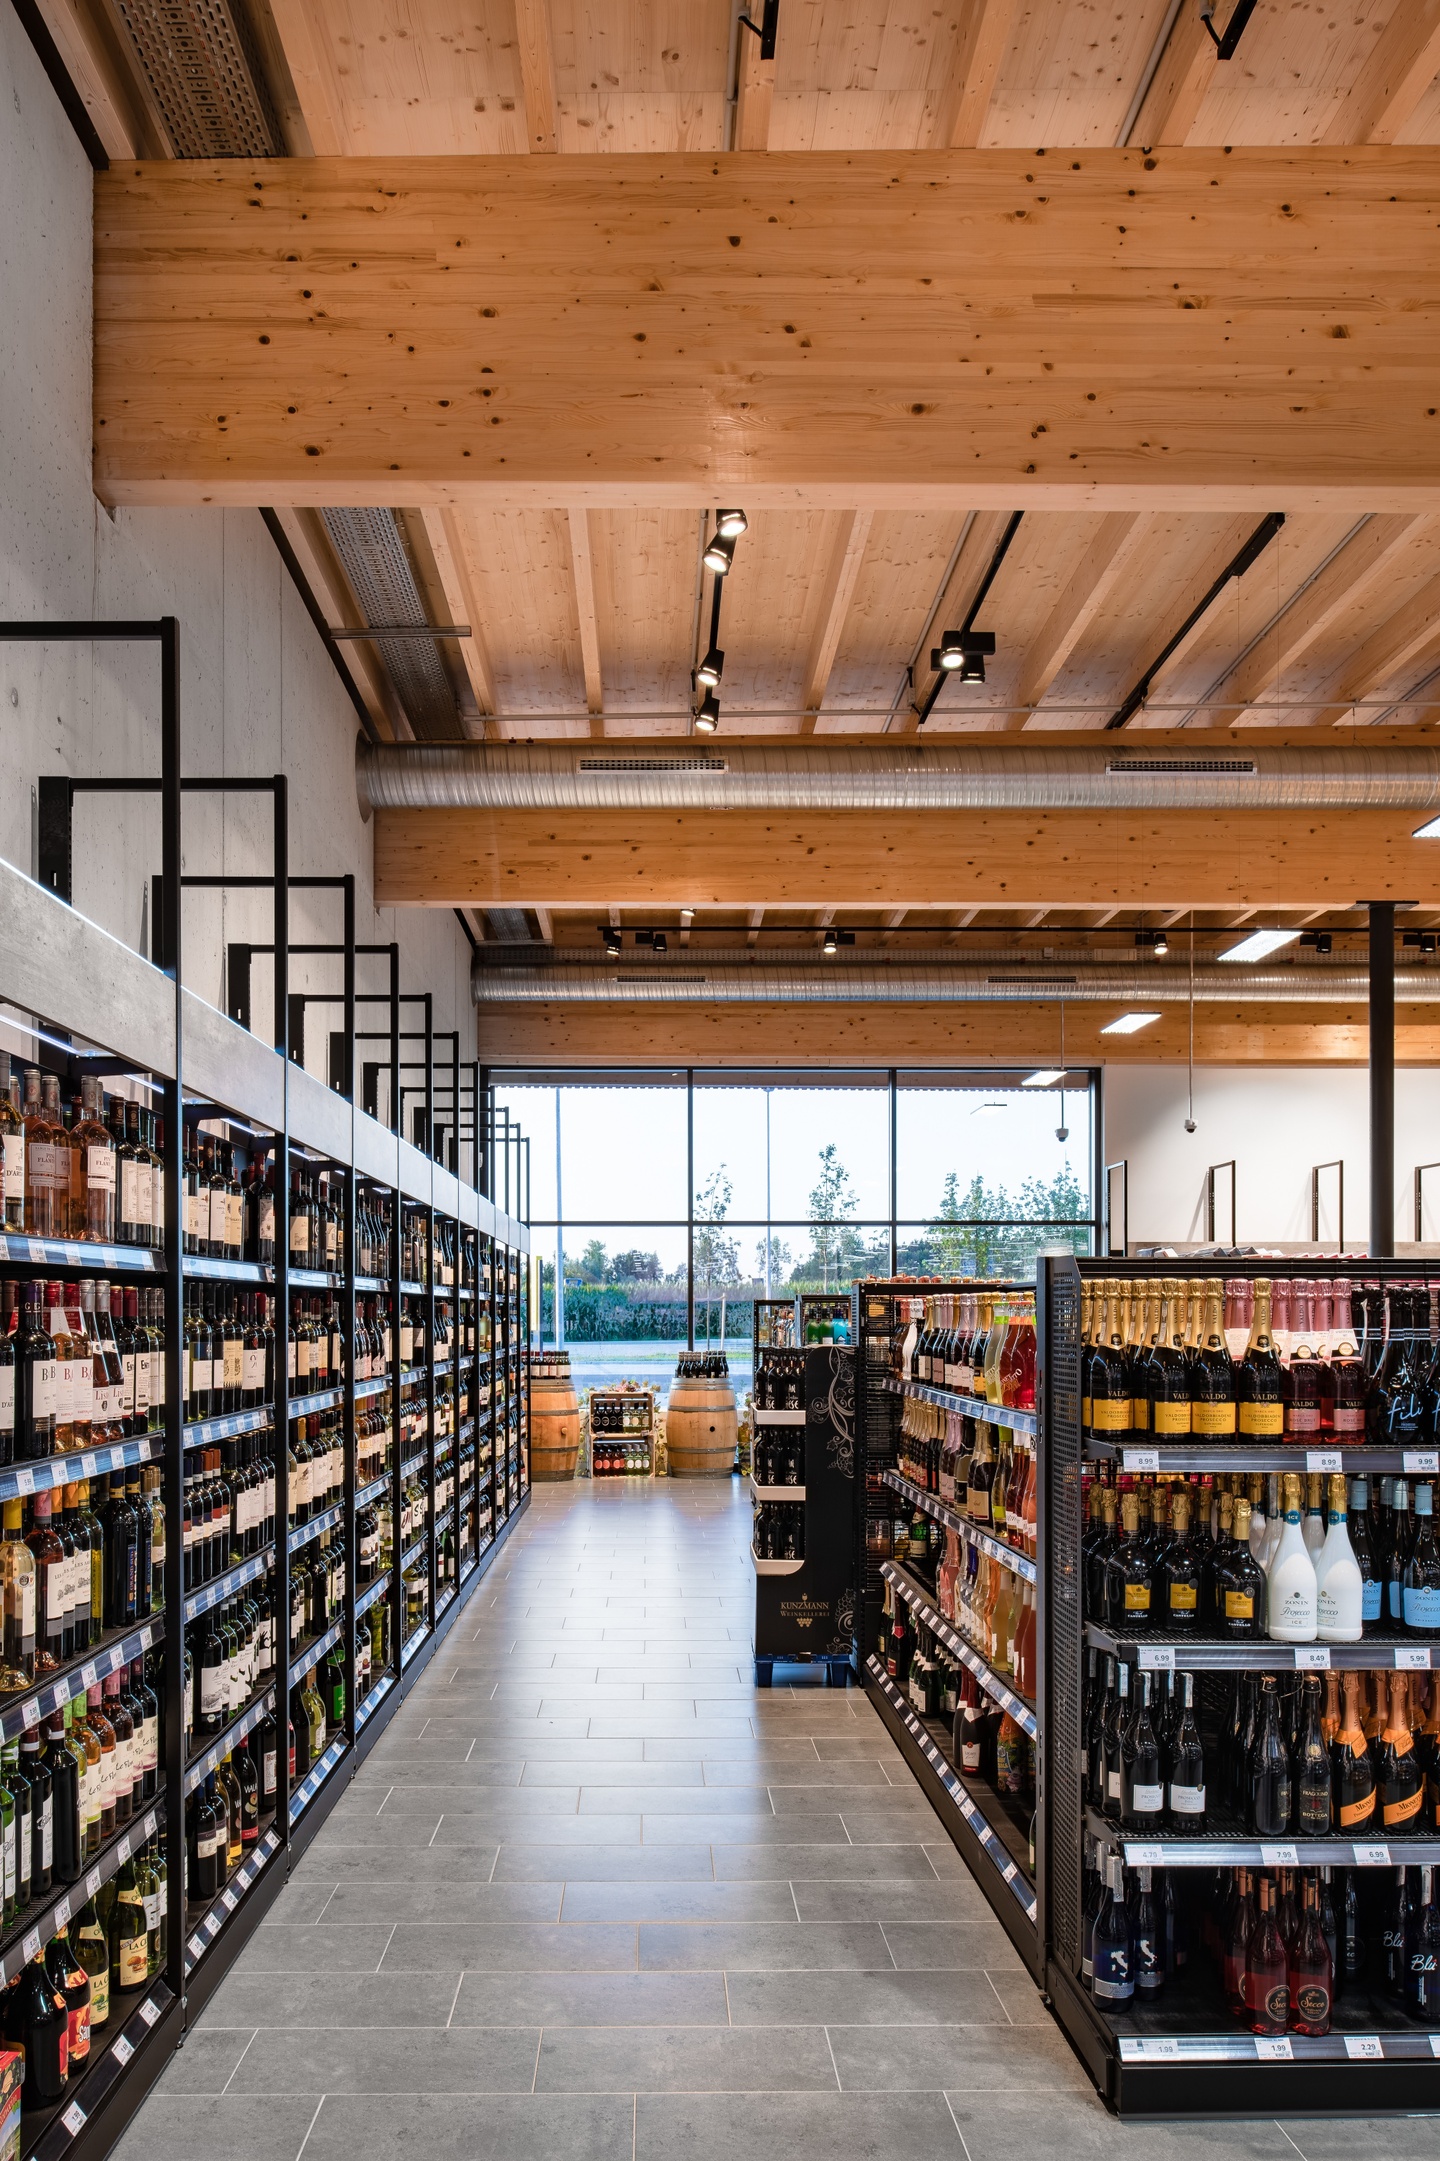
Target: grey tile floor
{"type": "Point", "coordinates": [593, 1894]}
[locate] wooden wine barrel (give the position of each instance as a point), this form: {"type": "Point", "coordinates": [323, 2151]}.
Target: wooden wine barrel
{"type": "Point", "coordinates": [701, 1429]}
{"type": "Point", "coordinates": [554, 1428]}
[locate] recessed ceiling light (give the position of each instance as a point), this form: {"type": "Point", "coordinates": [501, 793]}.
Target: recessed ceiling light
{"type": "Point", "coordinates": [1129, 1023]}
{"type": "Point", "coordinates": [1046, 1079]}
{"type": "Point", "coordinates": [1260, 944]}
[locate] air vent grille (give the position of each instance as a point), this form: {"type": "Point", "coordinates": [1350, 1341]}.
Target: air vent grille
{"type": "Point", "coordinates": [654, 765]}
{"type": "Point", "coordinates": [1198, 766]}
{"type": "Point", "coordinates": [671, 975]}
{"type": "Point", "coordinates": [1034, 982]}
{"type": "Point", "coordinates": [201, 63]}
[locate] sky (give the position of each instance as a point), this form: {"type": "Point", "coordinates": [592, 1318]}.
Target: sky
{"type": "Point", "coordinates": [622, 1151]}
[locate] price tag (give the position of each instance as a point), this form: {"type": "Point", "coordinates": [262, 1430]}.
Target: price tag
{"type": "Point", "coordinates": [73, 2118]}
{"type": "Point", "coordinates": [29, 1713]}
{"type": "Point", "coordinates": [1157, 1657]}
{"type": "Point", "coordinates": [1372, 1856]}
{"type": "Point", "coordinates": [197, 1945]}
{"type": "Point", "coordinates": [31, 1946]}
{"type": "Point", "coordinates": [92, 1882]}
{"type": "Point", "coordinates": [88, 1675]}
{"type": "Point", "coordinates": [37, 1249]}
{"type": "Point", "coordinates": [1163, 2045]}
{"type": "Point", "coordinates": [123, 1849]}
{"type": "Point", "coordinates": [62, 1915]}
{"type": "Point", "coordinates": [1312, 1658]}
{"type": "Point", "coordinates": [1279, 1857]}
{"type": "Point", "coordinates": [88, 1466]}
{"type": "Point", "coordinates": [24, 1480]}
{"type": "Point", "coordinates": [74, 1256]}
{"type": "Point", "coordinates": [1277, 2050]}
{"type": "Point", "coordinates": [227, 1900]}
{"type": "Point", "coordinates": [1140, 1459]}
{"type": "Point", "coordinates": [1363, 2047]}
{"type": "Point", "coordinates": [1416, 1462]}
{"type": "Point", "coordinates": [123, 2050]}
{"type": "Point", "coordinates": [1323, 1459]}
{"type": "Point", "coordinates": [1008, 1872]}
{"type": "Point", "coordinates": [1414, 1656]}
{"type": "Point", "coordinates": [149, 2011]}
{"type": "Point", "coordinates": [1144, 1856]}
{"type": "Point", "coordinates": [152, 1823]}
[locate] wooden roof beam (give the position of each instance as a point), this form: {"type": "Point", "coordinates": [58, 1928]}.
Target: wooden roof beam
{"type": "Point", "coordinates": [964, 106]}
{"type": "Point", "coordinates": [754, 91]}
{"type": "Point", "coordinates": [1110, 554]}
{"type": "Point", "coordinates": [1405, 641]}
{"type": "Point", "coordinates": [1019, 370]}
{"type": "Point", "coordinates": [842, 571]}
{"type": "Point", "coordinates": [1385, 93]}
{"type": "Point", "coordinates": [447, 544]}
{"type": "Point", "coordinates": [582, 563]}
{"type": "Point", "coordinates": [537, 75]}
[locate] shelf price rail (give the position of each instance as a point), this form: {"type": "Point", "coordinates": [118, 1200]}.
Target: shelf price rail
{"type": "Point", "coordinates": [73, 985]}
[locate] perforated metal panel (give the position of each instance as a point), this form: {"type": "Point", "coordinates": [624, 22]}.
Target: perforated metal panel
{"type": "Point", "coordinates": [202, 65]}
{"type": "Point", "coordinates": [372, 548]}
{"type": "Point", "coordinates": [1059, 1320]}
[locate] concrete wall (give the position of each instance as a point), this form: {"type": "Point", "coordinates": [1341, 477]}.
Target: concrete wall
{"type": "Point", "coordinates": [258, 692]}
{"type": "Point", "coordinates": [1276, 1122]}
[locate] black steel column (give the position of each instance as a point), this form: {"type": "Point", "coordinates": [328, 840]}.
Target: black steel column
{"type": "Point", "coordinates": [283, 1648]}
{"type": "Point", "coordinates": [1382, 1077]}
{"type": "Point", "coordinates": [173, 1486]}
{"type": "Point", "coordinates": [894, 1161]}
{"type": "Point", "coordinates": [690, 1209]}
{"type": "Point", "coordinates": [348, 1253]}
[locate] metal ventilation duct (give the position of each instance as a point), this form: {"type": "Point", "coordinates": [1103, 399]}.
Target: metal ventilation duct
{"type": "Point", "coordinates": [510, 924]}
{"type": "Point", "coordinates": [371, 548]}
{"type": "Point", "coordinates": [203, 68]}
{"type": "Point", "coordinates": [513, 977]}
{"type": "Point", "coordinates": [830, 777]}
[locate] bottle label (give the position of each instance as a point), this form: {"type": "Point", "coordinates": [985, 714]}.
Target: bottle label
{"type": "Point", "coordinates": [1117, 1986]}
{"type": "Point", "coordinates": [1137, 1598]}
{"type": "Point", "coordinates": [1357, 1812]}
{"type": "Point", "coordinates": [213, 1691]}
{"type": "Point", "coordinates": [1110, 1416]}
{"type": "Point", "coordinates": [100, 1169]}
{"type": "Point", "coordinates": [252, 1370]}
{"type": "Point", "coordinates": [1422, 1607]}
{"type": "Point", "coordinates": [49, 1165]}
{"type": "Point", "coordinates": [1147, 1800]}
{"type": "Point", "coordinates": [13, 1147]}
{"type": "Point", "coordinates": [197, 1215]}
{"type": "Point", "coordinates": [100, 1995]}
{"type": "Point", "coordinates": [1182, 1598]}
{"type": "Point", "coordinates": [1312, 2003]}
{"type": "Point", "coordinates": [130, 1194]}
{"type": "Point", "coordinates": [1402, 1810]}
{"type": "Point", "coordinates": [1303, 1419]}
{"type": "Point", "coordinates": [1212, 1420]}
{"type": "Point", "coordinates": [134, 1959]}
{"type": "Point", "coordinates": [7, 1399]}
{"type": "Point", "coordinates": [1239, 1606]}
{"type": "Point", "coordinates": [1187, 1800]}
{"type": "Point", "coordinates": [1170, 1418]}
{"type": "Point", "coordinates": [1262, 1421]}
{"type": "Point", "coordinates": [1277, 2003]}
{"type": "Point", "coordinates": [1370, 1599]}
{"type": "Point", "coordinates": [1348, 1418]}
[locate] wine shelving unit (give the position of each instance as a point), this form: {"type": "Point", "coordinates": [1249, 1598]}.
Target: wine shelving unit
{"type": "Point", "coordinates": [1162, 2058]}
{"type": "Point", "coordinates": [804, 1604]}
{"type": "Point", "coordinates": [76, 1001]}
{"type": "Point", "coordinates": [985, 1825]}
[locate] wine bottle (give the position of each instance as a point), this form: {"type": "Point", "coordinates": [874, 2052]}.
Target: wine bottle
{"type": "Point", "coordinates": [1147, 1951]}
{"type": "Point", "coordinates": [1420, 1578]}
{"type": "Point", "coordinates": [1129, 1575]}
{"type": "Point", "coordinates": [1143, 1790]}
{"type": "Point", "coordinates": [1185, 1782]}
{"type": "Point", "coordinates": [1269, 1769]}
{"type": "Point", "coordinates": [44, 2032]}
{"type": "Point", "coordinates": [1311, 1773]}
{"type": "Point", "coordinates": [1259, 1392]}
{"type": "Point", "coordinates": [1113, 1955]}
{"type": "Point", "coordinates": [1398, 1778]}
{"type": "Point", "coordinates": [1352, 1774]}
{"type": "Point", "coordinates": [1240, 1589]}
{"type": "Point", "coordinates": [1310, 1969]}
{"type": "Point", "coordinates": [1291, 1598]}
{"type": "Point", "coordinates": [1117, 1721]}
{"type": "Point", "coordinates": [1422, 1952]}
{"type": "Point", "coordinates": [1362, 1545]}
{"type": "Point", "coordinates": [1267, 1978]}
{"type": "Point", "coordinates": [1179, 1574]}
{"type": "Point", "coordinates": [1339, 1584]}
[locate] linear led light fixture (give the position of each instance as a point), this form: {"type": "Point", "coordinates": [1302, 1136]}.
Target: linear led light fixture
{"type": "Point", "coordinates": [1430, 830]}
{"type": "Point", "coordinates": [1129, 1024]}
{"type": "Point", "coordinates": [1259, 945]}
{"type": "Point", "coordinates": [1044, 1080]}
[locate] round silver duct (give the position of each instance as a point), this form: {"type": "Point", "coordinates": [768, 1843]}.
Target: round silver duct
{"type": "Point", "coordinates": [905, 777]}
{"type": "Point", "coordinates": [501, 976]}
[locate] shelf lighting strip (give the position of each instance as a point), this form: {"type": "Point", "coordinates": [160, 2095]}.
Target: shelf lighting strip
{"type": "Point", "coordinates": [928, 1503]}
{"type": "Point", "coordinates": [204, 1432]}
{"type": "Point", "coordinates": [315, 1778]}
{"type": "Point", "coordinates": [17, 1718]}
{"type": "Point", "coordinates": [376, 1489]}
{"type": "Point", "coordinates": [1010, 1873]}
{"type": "Point", "coordinates": [98, 2078]}
{"type": "Point", "coordinates": [56, 1914]}
{"type": "Point", "coordinates": [408, 1650]}
{"type": "Point", "coordinates": [1201, 1657]}
{"type": "Point", "coordinates": [226, 1585]}
{"type": "Point", "coordinates": [949, 1399]}
{"type": "Point", "coordinates": [374, 1700]}
{"type": "Point", "coordinates": [204, 1934]}
{"type": "Point", "coordinates": [230, 1739]}
{"type": "Point", "coordinates": [1241, 1456]}
{"type": "Point", "coordinates": [1166, 1852]}
{"type": "Point", "coordinates": [79, 1253]}
{"type": "Point", "coordinates": [1283, 2048]}
{"type": "Point", "coordinates": [44, 1472]}
{"type": "Point", "coordinates": [365, 1599]}
{"type": "Point", "coordinates": [304, 1532]}
{"type": "Point", "coordinates": [934, 1620]}
{"type": "Point", "coordinates": [311, 1656]}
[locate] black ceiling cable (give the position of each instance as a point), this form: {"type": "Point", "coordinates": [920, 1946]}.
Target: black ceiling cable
{"type": "Point", "coordinates": [1255, 546]}
{"type": "Point", "coordinates": [1226, 41]}
{"type": "Point", "coordinates": [967, 628]}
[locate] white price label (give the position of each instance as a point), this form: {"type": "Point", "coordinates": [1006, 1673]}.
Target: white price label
{"type": "Point", "coordinates": [1372, 1856]}
{"type": "Point", "coordinates": [1162, 2045]}
{"type": "Point", "coordinates": [1008, 1872]}
{"type": "Point", "coordinates": [88, 1466]}
{"type": "Point", "coordinates": [37, 1249]}
{"type": "Point", "coordinates": [149, 2011]}
{"type": "Point", "coordinates": [88, 1675]}
{"type": "Point", "coordinates": [31, 1945]}
{"type": "Point", "coordinates": [197, 1945]}
{"type": "Point", "coordinates": [1279, 1857]}
{"type": "Point", "coordinates": [151, 1824]}
{"type": "Point", "coordinates": [1143, 1856]}
{"type": "Point", "coordinates": [1363, 2047]}
{"type": "Point", "coordinates": [1413, 1656]}
{"type": "Point", "coordinates": [1323, 1459]}
{"type": "Point", "coordinates": [92, 1883]}
{"type": "Point", "coordinates": [227, 1900]}
{"type": "Point", "coordinates": [29, 1713]}
{"type": "Point", "coordinates": [1140, 1459]}
{"type": "Point", "coordinates": [1416, 1462]}
{"type": "Point", "coordinates": [1157, 1657]}
{"type": "Point", "coordinates": [62, 1915]}
{"type": "Point", "coordinates": [74, 1255]}
{"type": "Point", "coordinates": [1276, 2050]}
{"type": "Point", "coordinates": [1312, 1658]}
{"type": "Point", "coordinates": [24, 1480]}
{"type": "Point", "coordinates": [73, 2118]}
{"type": "Point", "coordinates": [123, 2050]}
{"type": "Point", "coordinates": [123, 1849]}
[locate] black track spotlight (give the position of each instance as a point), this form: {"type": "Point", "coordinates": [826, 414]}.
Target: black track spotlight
{"type": "Point", "coordinates": [707, 719]}
{"type": "Point", "coordinates": [613, 940]}
{"type": "Point", "coordinates": [831, 943]}
{"type": "Point", "coordinates": [1320, 940]}
{"type": "Point", "coordinates": [720, 554]}
{"type": "Point", "coordinates": [711, 668]}
{"type": "Point", "coordinates": [659, 942]}
{"type": "Point", "coordinates": [730, 524]}
{"type": "Point", "coordinates": [950, 652]}
{"type": "Point", "coordinates": [1153, 941]}
{"type": "Point", "coordinates": [964, 652]}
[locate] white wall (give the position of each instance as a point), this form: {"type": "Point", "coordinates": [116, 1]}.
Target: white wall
{"type": "Point", "coordinates": [258, 692]}
{"type": "Point", "coordinates": [1276, 1122]}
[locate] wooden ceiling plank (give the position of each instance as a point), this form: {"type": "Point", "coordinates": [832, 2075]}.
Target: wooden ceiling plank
{"type": "Point", "coordinates": [1405, 640]}
{"type": "Point", "coordinates": [964, 107]}
{"type": "Point", "coordinates": [756, 919]}
{"type": "Point", "coordinates": [1177, 89]}
{"type": "Point", "coordinates": [1101, 390]}
{"type": "Point", "coordinates": [447, 543]}
{"type": "Point", "coordinates": [104, 80]}
{"type": "Point", "coordinates": [305, 531]}
{"type": "Point", "coordinates": [309, 49]}
{"type": "Point", "coordinates": [582, 560]}
{"type": "Point", "coordinates": [1115, 544]}
{"type": "Point", "coordinates": [1400, 69]}
{"type": "Point", "coordinates": [754, 93]}
{"type": "Point", "coordinates": [1345, 584]}
{"type": "Point", "coordinates": [977, 545]}
{"type": "Point", "coordinates": [537, 75]}
{"type": "Point", "coordinates": [847, 555]}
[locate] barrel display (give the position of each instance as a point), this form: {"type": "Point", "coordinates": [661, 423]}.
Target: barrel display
{"type": "Point", "coordinates": [701, 1428]}
{"type": "Point", "coordinates": [554, 1425]}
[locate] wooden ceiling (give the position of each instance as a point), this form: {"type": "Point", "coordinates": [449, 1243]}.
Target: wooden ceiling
{"type": "Point", "coordinates": [587, 620]}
